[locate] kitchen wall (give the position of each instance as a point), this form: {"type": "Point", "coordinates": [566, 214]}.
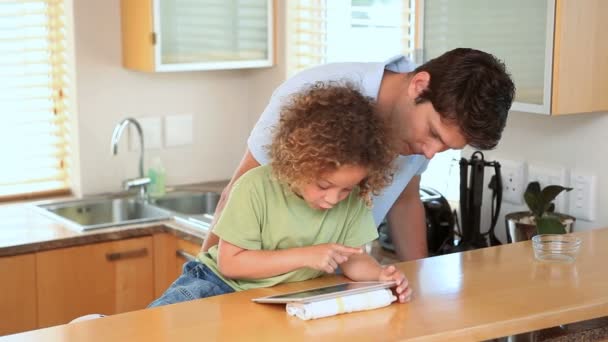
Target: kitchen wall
{"type": "Point", "coordinates": [220, 102]}
{"type": "Point", "coordinates": [571, 141]}
{"type": "Point", "coordinates": [226, 104]}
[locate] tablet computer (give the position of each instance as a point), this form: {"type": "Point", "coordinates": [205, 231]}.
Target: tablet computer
{"type": "Point", "coordinates": [326, 292]}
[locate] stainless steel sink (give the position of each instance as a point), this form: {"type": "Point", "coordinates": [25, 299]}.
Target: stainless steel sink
{"type": "Point", "coordinates": [90, 214]}
{"type": "Point", "coordinates": [195, 208]}
{"type": "Point", "coordinates": [188, 203]}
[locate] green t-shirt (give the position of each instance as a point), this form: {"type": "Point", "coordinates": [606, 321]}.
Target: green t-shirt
{"type": "Point", "coordinates": [264, 214]}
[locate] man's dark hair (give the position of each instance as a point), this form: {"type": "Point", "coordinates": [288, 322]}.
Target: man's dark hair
{"type": "Point", "coordinates": [472, 89]}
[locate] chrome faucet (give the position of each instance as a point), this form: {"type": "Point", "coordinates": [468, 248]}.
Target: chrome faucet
{"type": "Point", "coordinates": [142, 181]}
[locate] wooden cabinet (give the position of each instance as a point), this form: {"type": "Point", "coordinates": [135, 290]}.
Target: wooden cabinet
{"type": "Point", "coordinates": [179, 35]}
{"type": "Point", "coordinates": [106, 278]}
{"type": "Point", "coordinates": [18, 294]}
{"type": "Point", "coordinates": [170, 254]}
{"type": "Point", "coordinates": [185, 251]}
{"type": "Point", "coordinates": [555, 50]}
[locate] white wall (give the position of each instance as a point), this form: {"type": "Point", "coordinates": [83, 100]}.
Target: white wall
{"type": "Point", "coordinates": [570, 141]}
{"type": "Point", "coordinates": [106, 93]}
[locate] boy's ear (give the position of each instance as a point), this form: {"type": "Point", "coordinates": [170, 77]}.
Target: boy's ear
{"type": "Point", "coordinates": [418, 83]}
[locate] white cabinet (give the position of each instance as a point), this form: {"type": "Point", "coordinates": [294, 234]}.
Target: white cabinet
{"type": "Point", "coordinates": [555, 50]}
{"type": "Point", "coordinates": [180, 35]}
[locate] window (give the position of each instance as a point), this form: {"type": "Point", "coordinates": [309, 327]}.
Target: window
{"type": "Point", "coordinates": [34, 129]}
{"type": "Point", "coordinates": [326, 31]}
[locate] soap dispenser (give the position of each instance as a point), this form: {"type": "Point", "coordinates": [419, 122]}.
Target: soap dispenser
{"type": "Point", "coordinates": [157, 175]}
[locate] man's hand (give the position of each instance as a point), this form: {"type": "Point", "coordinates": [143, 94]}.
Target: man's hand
{"type": "Point", "coordinates": [328, 256]}
{"type": "Point", "coordinates": [391, 273]}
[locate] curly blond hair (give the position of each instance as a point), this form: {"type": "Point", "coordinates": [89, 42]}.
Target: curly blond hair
{"type": "Point", "coordinates": [326, 126]}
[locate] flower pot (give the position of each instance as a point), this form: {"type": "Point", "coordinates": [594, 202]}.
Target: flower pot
{"type": "Point", "coordinates": [521, 231]}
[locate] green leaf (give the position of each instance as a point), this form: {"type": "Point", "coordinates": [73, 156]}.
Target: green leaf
{"type": "Point", "coordinates": [532, 196]}
{"type": "Point", "coordinates": [532, 202]}
{"type": "Point", "coordinates": [533, 187]}
{"type": "Point", "coordinates": [549, 225]}
{"type": "Point", "coordinates": [549, 193]}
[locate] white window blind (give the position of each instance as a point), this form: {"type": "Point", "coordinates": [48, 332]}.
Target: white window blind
{"type": "Point", "coordinates": [322, 31]}
{"type": "Point", "coordinates": [514, 31]}
{"type": "Point", "coordinates": [34, 130]}
{"type": "Point", "coordinates": [210, 30]}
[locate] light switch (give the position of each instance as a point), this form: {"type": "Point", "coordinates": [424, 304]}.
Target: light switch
{"type": "Point", "coordinates": [178, 130]}
{"type": "Point", "coordinates": [151, 127]}
{"type": "Point", "coordinates": [582, 196]}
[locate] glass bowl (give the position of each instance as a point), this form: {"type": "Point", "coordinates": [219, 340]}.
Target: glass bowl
{"type": "Point", "coordinates": [556, 247]}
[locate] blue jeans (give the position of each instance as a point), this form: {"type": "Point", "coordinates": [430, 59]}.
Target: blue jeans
{"type": "Point", "coordinates": [197, 281]}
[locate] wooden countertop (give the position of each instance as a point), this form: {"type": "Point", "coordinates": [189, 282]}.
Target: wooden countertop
{"type": "Point", "coordinates": [475, 295]}
{"type": "Point", "coordinates": [23, 229]}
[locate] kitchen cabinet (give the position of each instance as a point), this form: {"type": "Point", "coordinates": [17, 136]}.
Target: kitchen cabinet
{"type": "Point", "coordinates": [17, 294]}
{"type": "Point", "coordinates": [556, 50]}
{"type": "Point", "coordinates": [185, 251]}
{"type": "Point", "coordinates": [106, 278]}
{"type": "Point", "coordinates": [170, 254]}
{"type": "Point", "coordinates": [180, 35]}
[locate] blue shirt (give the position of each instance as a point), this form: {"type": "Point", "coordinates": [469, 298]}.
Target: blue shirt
{"type": "Point", "coordinates": [367, 77]}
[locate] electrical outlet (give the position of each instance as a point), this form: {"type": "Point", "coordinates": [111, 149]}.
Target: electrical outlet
{"type": "Point", "coordinates": [513, 180]}
{"type": "Point", "coordinates": [549, 175]}
{"type": "Point", "coordinates": [582, 196]}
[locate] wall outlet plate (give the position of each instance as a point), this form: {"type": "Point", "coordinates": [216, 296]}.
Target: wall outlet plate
{"type": "Point", "coordinates": [178, 130]}
{"type": "Point", "coordinates": [513, 180]}
{"type": "Point", "coordinates": [582, 196]}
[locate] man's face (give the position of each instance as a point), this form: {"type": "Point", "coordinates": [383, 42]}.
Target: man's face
{"type": "Point", "coordinates": [420, 129]}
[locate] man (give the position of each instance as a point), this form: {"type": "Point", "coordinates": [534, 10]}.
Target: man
{"type": "Point", "coordinates": [459, 98]}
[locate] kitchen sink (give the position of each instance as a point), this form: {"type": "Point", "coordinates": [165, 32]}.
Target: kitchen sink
{"type": "Point", "coordinates": [195, 208]}
{"type": "Point", "coordinates": [95, 213]}
{"type": "Point", "coordinates": [188, 203]}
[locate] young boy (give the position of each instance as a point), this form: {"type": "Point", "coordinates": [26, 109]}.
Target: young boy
{"type": "Point", "coordinates": [307, 212]}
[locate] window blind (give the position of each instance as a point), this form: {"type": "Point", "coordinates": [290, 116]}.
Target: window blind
{"type": "Point", "coordinates": [322, 31]}
{"type": "Point", "coordinates": [34, 130]}
{"type": "Point", "coordinates": [307, 34]}
{"type": "Point", "coordinates": [514, 31]}
{"type": "Point", "coordinates": [213, 30]}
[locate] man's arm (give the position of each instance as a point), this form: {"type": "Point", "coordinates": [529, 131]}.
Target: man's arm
{"type": "Point", "coordinates": [247, 163]}
{"type": "Point", "coordinates": [406, 220]}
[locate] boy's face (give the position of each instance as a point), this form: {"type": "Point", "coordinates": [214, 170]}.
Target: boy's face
{"type": "Point", "coordinates": [332, 187]}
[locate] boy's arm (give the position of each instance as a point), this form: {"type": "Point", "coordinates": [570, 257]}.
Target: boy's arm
{"type": "Point", "coordinates": [238, 263]}
{"type": "Point", "coordinates": [247, 163]}
{"type": "Point", "coordinates": [363, 267]}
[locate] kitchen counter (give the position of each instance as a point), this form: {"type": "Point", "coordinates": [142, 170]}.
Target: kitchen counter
{"type": "Point", "coordinates": [24, 229]}
{"type": "Point", "coordinates": [475, 295]}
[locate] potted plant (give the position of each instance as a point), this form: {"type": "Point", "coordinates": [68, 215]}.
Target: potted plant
{"type": "Point", "coordinates": [541, 217]}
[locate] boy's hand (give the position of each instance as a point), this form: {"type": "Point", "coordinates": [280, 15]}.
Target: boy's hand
{"type": "Point", "coordinates": [328, 256]}
{"type": "Point", "coordinates": [391, 273]}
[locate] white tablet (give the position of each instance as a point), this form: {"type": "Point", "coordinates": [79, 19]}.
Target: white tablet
{"type": "Point", "coordinates": [320, 293]}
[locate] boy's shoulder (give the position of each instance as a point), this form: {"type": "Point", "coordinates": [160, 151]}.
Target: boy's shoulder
{"type": "Point", "coordinates": [260, 176]}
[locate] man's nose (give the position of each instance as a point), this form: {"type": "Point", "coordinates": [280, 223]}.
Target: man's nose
{"type": "Point", "coordinates": [429, 151]}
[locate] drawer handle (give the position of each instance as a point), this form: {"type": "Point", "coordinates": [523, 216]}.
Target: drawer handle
{"type": "Point", "coordinates": [185, 255]}
{"type": "Point", "coordinates": [127, 254]}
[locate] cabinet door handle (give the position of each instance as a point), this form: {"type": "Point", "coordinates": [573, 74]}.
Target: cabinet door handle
{"type": "Point", "coordinates": [127, 254]}
{"type": "Point", "coordinates": [185, 255]}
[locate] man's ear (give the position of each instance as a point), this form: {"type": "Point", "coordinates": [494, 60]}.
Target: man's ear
{"type": "Point", "coordinates": [418, 83]}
